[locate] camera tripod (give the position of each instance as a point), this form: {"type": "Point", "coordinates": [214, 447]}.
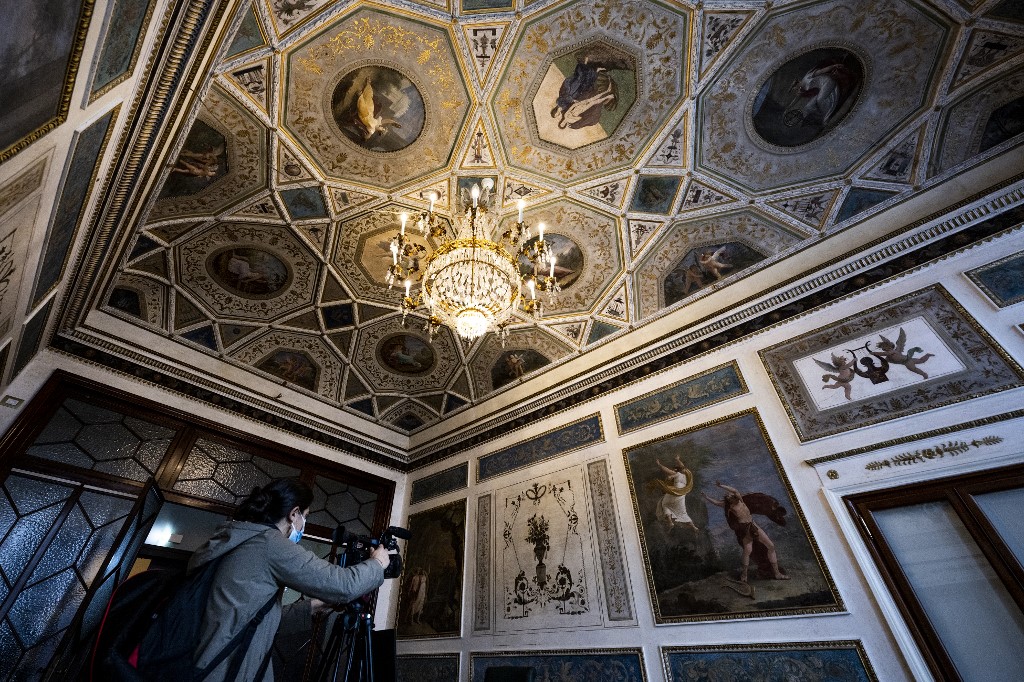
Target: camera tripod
{"type": "Point", "coordinates": [350, 644]}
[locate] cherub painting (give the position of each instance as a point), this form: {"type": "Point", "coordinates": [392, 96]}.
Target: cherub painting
{"type": "Point", "coordinates": [202, 161]}
{"type": "Point", "coordinates": [378, 108]}
{"type": "Point", "coordinates": [705, 265]}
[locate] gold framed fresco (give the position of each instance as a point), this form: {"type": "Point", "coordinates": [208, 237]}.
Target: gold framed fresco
{"type": "Point", "coordinates": [430, 595]}
{"type": "Point", "coordinates": [915, 353]}
{"type": "Point", "coordinates": [46, 40]}
{"type": "Point", "coordinates": [752, 557]}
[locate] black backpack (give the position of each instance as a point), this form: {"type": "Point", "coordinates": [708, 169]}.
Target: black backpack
{"type": "Point", "coordinates": [150, 631]}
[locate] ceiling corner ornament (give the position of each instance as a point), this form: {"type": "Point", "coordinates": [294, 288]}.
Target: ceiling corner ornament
{"type": "Point", "coordinates": [472, 281]}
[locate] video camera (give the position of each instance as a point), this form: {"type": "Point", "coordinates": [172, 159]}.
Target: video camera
{"type": "Point", "coordinates": [356, 548]}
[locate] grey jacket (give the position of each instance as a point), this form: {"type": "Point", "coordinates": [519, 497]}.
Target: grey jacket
{"type": "Point", "coordinates": [263, 561]}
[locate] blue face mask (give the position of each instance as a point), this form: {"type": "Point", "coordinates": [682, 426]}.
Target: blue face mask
{"type": "Point", "coordinates": [296, 534]}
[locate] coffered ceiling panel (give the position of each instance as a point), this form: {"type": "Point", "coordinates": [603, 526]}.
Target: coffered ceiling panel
{"type": "Point", "coordinates": [672, 150]}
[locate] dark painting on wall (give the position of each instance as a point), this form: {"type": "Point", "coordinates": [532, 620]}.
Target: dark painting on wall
{"type": "Point", "coordinates": [40, 46]}
{"type": "Point", "coordinates": [73, 195]}
{"type": "Point", "coordinates": [840, 661]}
{"type": "Point", "coordinates": [808, 96]}
{"type": "Point", "coordinates": [430, 595]}
{"type": "Point", "coordinates": [428, 668]}
{"type": "Point", "coordinates": [1002, 281]}
{"type": "Point", "coordinates": [202, 161]}
{"type": "Point", "coordinates": [720, 529]}
{"type": "Point", "coordinates": [121, 43]}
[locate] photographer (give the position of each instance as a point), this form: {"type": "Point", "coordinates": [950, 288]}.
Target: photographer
{"type": "Point", "coordinates": [262, 558]}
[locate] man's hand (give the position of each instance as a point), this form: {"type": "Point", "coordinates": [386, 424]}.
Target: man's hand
{"type": "Point", "coordinates": [381, 556]}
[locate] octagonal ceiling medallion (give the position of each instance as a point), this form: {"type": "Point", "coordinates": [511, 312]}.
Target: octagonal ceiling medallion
{"type": "Point", "coordinates": [843, 81]}
{"type": "Point", "coordinates": [586, 243]}
{"type": "Point", "coordinates": [222, 160]}
{"type": "Point", "coordinates": [585, 90]}
{"type": "Point", "coordinates": [303, 360]}
{"type": "Point", "coordinates": [247, 272]}
{"type": "Point", "coordinates": [397, 358]}
{"type": "Point", "coordinates": [376, 98]}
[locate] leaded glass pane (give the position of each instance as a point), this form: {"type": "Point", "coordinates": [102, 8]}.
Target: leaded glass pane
{"type": "Point", "coordinates": [62, 428]}
{"type": "Point", "coordinates": [339, 504]}
{"type": "Point", "coordinates": [63, 550]}
{"type": "Point", "coordinates": [91, 414]}
{"type": "Point", "coordinates": [91, 437]}
{"type": "Point", "coordinates": [24, 539]}
{"type": "Point", "coordinates": [225, 473]}
{"type": "Point", "coordinates": [10, 650]}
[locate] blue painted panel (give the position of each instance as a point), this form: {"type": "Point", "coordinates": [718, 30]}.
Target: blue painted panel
{"type": "Point", "coordinates": [31, 338]}
{"type": "Point", "coordinates": [127, 20]}
{"type": "Point", "coordinates": [72, 200]}
{"type": "Point", "coordinates": [622, 666]}
{"type": "Point", "coordinates": [438, 668]}
{"type": "Point", "coordinates": [455, 478]}
{"type": "Point", "coordinates": [813, 664]}
{"type": "Point", "coordinates": [551, 444]}
{"type": "Point", "coordinates": [685, 396]}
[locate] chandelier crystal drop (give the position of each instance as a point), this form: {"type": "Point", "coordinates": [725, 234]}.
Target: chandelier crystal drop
{"type": "Point", "coordinates": [472, 281]}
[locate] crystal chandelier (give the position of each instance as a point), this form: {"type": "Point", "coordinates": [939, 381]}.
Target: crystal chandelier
{"type": "Point", "coordinates": [472, 281]}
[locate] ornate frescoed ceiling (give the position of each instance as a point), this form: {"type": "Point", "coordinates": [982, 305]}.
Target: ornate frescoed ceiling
{"type": "Point", "coordinates": [672, 149]}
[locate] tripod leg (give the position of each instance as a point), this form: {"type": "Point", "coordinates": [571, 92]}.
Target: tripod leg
{"type": "Point", "coordinates": [368, 653]}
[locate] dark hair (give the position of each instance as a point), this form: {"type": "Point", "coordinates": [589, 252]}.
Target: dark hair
{"type": "Point", "coordinates": [272, 502]}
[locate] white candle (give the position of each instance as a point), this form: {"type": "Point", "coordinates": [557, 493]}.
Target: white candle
{"type": "Point", "coordinates": [475, 193]}
{"type": "Point", "coordinates": [405, 219]}
{"type": "Point", "coordinates": [521, 204]}
{"type": "Point", "coordinates": [529, 283]}
{"type": "Point", "coordinates": [540, 230]}
{"type": "Point", "coordinates": [433, 198]}
{"type": "Point", "coordinates": [552, 266]}
{"type": "Point", "coordinates": [408, 285]}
